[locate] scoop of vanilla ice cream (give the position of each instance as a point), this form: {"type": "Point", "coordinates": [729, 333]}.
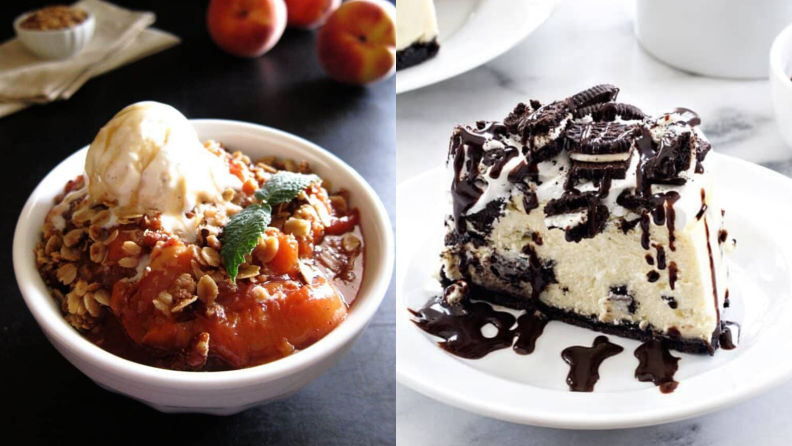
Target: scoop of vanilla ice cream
{"type": "Point", "coordinates": [148, 160]}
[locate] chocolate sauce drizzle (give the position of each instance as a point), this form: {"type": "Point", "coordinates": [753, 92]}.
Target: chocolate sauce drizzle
{"type": "Point", "coordinates": [725, 337]}
{"type": "Point", "coordinates": [673, 274]}
{"type": "Point", "coordinates": [459, 324]}
{"type": "Point", "coordinates": [539, 274]}
{"type": "Point", "coordinates": [656, 365]}
{"type": "Point", "coordinates": [712, 270]}
{"type": "Point", "coordinates": [464, 190]}
{"type": "Point", "coordinates": [662, 204]}
{"type": "Point", "coordinates": [530, 327]}
{"type": "Point", "coordinates": [703, 205]}
{"type": "Point", "coordinates": [460, 327]}
{"type": "Point", "coordinates": [645, 229]}
{"type": "Point", "coordinates": [584, 363]}
{"type": "Point", "coordinates": [497, 168]}
{"type": "Point", "coordinates": [661, 257]}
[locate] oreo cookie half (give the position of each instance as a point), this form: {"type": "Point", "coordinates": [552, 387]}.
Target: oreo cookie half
{"type": "Point", "coordinates": [595, 95]}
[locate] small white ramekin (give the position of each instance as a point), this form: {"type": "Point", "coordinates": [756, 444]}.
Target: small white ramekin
{"type": "Point", "coordinates": [56, 44]}
{"type": "Point", "coordinates": [780, 82]}
{"type": "Point", "coordinates": [227, 392]}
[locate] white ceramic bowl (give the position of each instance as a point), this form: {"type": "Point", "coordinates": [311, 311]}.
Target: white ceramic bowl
{"type": "Point", "coordinates": [56, 44]}
{"type": "Point", "coordinates": [213, 392]}
{"type": "Point", "coordinates": [721, 38]}
{"type": "Point", "coordinates": [780, 82]}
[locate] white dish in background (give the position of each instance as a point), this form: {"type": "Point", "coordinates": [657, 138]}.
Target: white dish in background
{"type": "Point", "coordinates": [56, 44]}
{"type": "Point", "coordinates": [720, 38]}
{"type": "Point", "coordinates": [532, 390]}
{"type": "Point", "coordinates": [473, 32]}
{"type": "Point", "coordinates": [219, 393]}
{"type": "Point", "coordinates": [781, 82]}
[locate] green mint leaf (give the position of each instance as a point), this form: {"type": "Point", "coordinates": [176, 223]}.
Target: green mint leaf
{"type": "Point", "coordinates": [284, 186]}
{"type": "Point", "coordinates": [241, 235]}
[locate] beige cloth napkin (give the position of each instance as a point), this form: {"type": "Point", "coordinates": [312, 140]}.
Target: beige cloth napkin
{"type": "Point", "coordinates": [120, 38]}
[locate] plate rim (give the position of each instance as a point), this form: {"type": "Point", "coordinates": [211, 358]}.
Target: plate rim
{"type": "Point", "coordinates": [570, 420]}
{"type": "Point", "coordinates": [423, 79]}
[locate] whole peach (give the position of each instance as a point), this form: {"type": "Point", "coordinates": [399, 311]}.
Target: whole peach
{"type": "Point", "coordinates": [357, 44]}
{"type": "Point", "coordinates": [309, 14]}
{"type": "Point", "coordinates": [246, 28]}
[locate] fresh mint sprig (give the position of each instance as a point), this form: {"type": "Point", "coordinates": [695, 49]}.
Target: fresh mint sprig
{"type": "Point", "coordinates": [284, 186]}
{"type": "Point", "coordinates": [244, 229]}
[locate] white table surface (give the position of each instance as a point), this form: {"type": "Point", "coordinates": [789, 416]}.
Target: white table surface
{"type": "Point", "coordinates": [584, 43]}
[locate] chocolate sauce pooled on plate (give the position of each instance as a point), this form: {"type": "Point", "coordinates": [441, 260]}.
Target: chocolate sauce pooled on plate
{"type": "Point", "coordinates": [584, 363]}
{"type": "Point", "coordinates": [530, 326]}
{"type": "Point", "coordinates": [657, 365]}
{"type": "Point", "coordinates": [459, 322]}
{"type": "Point", "coordinates": [725, 337]}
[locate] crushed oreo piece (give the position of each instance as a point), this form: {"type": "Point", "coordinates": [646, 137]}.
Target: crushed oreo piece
{"type": "Point", "coordinates": [597, 217]}
{"type": "Point", "coordinates": [594, 95]}
{"type": "Point", "coordinates": [530, 201]}
{"type": "Point", "coordinates": [599, 138]}
{"type": "Point", "coordinates": [621, 297]}
{"type": "Point", "coordinates": [457, 293]}
{"type": "Point", "coordinates": [547, 151]}
{"type": "Point", "coordinates": [702, 149]}
{"type": "Point", "coordinates": [673, 157]}
{"type": "Point", "coordinates": [581, 172]}
{"type": "Point", "coordinates": [529, 269]}
{"type": "Point", "coordinates": [542, 121]}
{"type": "Point", "coordinates": [570, 202]}
{"type": "Point", "coordinates": [670, 301]}
{"type": "Point", "coordinates": [482, 220]}
{"type": "Point", "coordinates": [512, 122]}
{"type": "Point", "coordinates": [628, 199]}
{"type": "Point", "coordinates": [596, 213]}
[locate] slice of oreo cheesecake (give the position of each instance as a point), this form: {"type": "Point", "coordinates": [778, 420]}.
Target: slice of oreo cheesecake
{"type": "Point", "coordinates": [594, 213]}
{"type": "Point", "coordinates": [416, 32]}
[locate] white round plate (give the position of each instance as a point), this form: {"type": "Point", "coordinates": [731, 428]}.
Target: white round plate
{"type": "Point", "coordinates": [532, 389]}
{"type": "Point", "coordinates": [473, 32]}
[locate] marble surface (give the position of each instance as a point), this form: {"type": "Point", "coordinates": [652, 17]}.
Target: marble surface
{"type": "Point", "coordinates": [587, 42]}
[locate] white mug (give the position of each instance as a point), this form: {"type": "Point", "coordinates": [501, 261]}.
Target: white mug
{"type": "Point", "coordinates": [720, 38]}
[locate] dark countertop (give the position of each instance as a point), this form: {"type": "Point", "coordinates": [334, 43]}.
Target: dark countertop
{"type": "Point", "coordinates": [50, 400]}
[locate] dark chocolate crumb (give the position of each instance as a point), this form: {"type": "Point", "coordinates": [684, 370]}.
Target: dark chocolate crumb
{"type": "Point", "coordinates": [670, 301]}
